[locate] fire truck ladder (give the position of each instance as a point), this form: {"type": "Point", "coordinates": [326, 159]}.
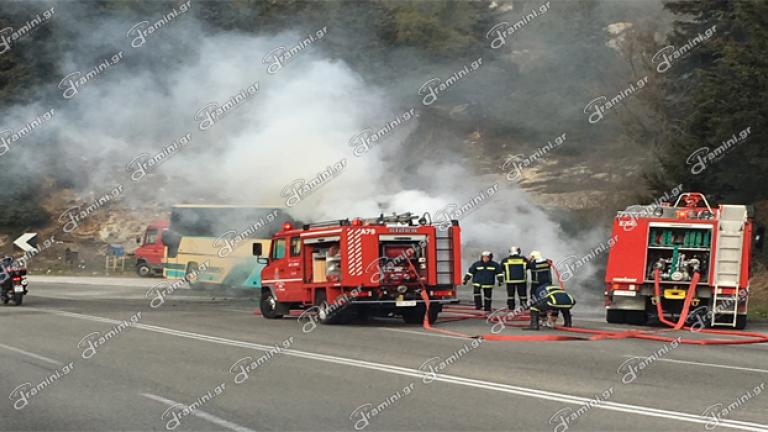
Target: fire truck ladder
{"type": "Point", "coordinates": [728, 253]}
{"type": "Point", "coordinates": [444, 243]}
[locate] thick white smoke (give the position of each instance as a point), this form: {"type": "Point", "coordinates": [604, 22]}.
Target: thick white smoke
{"type": "Point", "coordinates": [297, 124]}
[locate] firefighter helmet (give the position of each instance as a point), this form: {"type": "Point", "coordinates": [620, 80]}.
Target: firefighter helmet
{"type": "Point", "coordinates": [488, 254]}
{"type": "Point", "coordinates": [514, 250]}
{"type": "Point", "coordinates": [536, 255]}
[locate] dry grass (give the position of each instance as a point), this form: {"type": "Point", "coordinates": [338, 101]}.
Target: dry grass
{"type": "Point", "coordinates": [758, 298]}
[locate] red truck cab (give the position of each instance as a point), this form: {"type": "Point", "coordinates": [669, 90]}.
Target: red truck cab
{"type": "Point", "coordinates": [150, 253]}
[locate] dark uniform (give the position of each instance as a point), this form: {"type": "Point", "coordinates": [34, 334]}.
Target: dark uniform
{"type": "Point", "coordinates": [548, 299]}
{"type": "Point", "coordinates": [516, 277]}
{"type": "Point", "coordinates": [541, 274]}
{"type": "Point", "coordinates": [484, 275]}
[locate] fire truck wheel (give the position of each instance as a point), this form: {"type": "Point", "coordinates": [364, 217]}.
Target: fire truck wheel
{"type": "Point", "coordinates": [143, 270]}
{"type": "Point", "coordinates": [415, 315]}
{"type": "Point", "coordinates": [637, 318]}
{"type": "Point", "coordinates": [434, 311]}
{"type": "Point", "coordinates": [741, 322]}
{"type": "Point", "coordinates": [324, 313]}
{"type": "Point", "coordinates": [615, 316]}
{"type": "Point", "coordinates": [268, 305]}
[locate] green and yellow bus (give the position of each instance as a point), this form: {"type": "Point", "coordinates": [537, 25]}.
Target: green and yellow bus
{"type": "Point", "coordinates": [218, 245]}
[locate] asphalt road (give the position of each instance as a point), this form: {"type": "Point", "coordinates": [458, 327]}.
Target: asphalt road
{"type": "Point", "coordinates": [197, 363]}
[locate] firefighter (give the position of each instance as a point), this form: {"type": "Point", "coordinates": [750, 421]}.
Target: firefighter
{"type": "Point", "coordinates": [484, 273]}
{"type": "Point", "coordinates": [515, 268]}
{"type": "Point", "coordinates": [541, 271]}
{"type": "Point", "coordinates": [550, 300]}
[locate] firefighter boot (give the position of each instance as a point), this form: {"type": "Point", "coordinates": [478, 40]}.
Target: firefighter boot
{"type": "Point", "coordinates": [534, 325]}
{"type": "Point", "coordinates": [478, 299]}
{"type": "Point", "coordinates": [567, 318]}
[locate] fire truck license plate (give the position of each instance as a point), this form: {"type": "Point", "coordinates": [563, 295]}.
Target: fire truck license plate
{"type": "Point", "coordinates": [18, 288]}
{"type": "Point", "coordinates": [624, 293]}
{"type": "Point", "coordinates": [405, 303]}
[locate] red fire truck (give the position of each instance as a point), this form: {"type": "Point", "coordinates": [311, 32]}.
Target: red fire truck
{"type": "Point", "coordinates": [376, 266]}
{"type": "Point", "coordinates": [669, 248]}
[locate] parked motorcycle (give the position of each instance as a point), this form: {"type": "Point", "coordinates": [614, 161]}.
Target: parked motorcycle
{"type": "Point", "coordinates": [13, 282]}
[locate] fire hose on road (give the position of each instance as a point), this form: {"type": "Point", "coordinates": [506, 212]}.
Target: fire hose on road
{"type": "Point", "coordinates": [462, 313]}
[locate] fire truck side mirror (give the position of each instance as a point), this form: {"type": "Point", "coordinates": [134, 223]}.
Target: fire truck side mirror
{"type": "Point", "coordinates": [257, 251]}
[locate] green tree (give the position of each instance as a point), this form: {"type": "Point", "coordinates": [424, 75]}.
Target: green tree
{"type": "Point", "coordinates": [713, 93]}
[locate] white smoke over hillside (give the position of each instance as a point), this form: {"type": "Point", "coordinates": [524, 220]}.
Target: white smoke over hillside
{"type": "Point", "coordinates": [293, 125]}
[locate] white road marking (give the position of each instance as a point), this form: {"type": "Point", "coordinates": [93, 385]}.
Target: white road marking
{"type": "Point", "coordinates": [714, 365]}
{"type": "Point", "coordinates": [218, 421]}
{"type": "Point", "coordinates": [450, 379]}
{"type": "Point", "coordinates": [250, 312]}
{"type": "Point", "coordinates": [419, 333]}
{"type": "Point", "coordinates": [33, 355]}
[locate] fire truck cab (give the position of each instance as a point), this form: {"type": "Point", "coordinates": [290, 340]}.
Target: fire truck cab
{"type": "Point", "coordinates": [667, 244]}
{"type": "Point", "coordinates": [378, 266]}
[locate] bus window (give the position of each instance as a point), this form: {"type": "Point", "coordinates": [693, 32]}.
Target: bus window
{"type": "Point", "coordinates": [295, 246]}
{"type": "Point", "coordinates": [278, 252]}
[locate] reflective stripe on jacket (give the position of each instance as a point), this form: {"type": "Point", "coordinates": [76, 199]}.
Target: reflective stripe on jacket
{"type": "Point", "coordinates": [485, 274]}
{"type": "Point", "coordinates": [552, 297]}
